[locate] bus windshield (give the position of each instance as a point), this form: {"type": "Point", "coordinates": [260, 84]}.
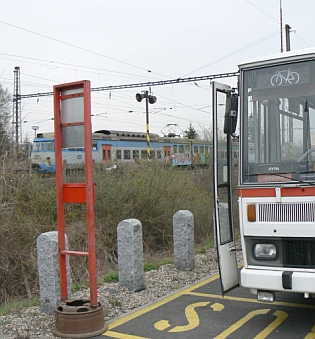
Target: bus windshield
{"type": "Point", "coordinates": [278, 124]}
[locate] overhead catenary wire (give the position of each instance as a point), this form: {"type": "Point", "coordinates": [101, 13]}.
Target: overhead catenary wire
{"type": "Point", "coordinates": [145, 84]}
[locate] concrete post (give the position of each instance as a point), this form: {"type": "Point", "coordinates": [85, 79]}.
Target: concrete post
{"type": "Point", "coordinates": [183, 235]}
{"type": "Point", "coordinates": [48, 271]}
{"type": "Point", "coordinates": [130, 254]}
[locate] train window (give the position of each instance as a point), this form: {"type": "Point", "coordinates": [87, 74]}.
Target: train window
{"type": "Point", "coordinates": [206, 149]}
{"type": "Point", "coordinates": [202, 149]}
{"type": "Point", "coordinates": [195, 148]}
{"type": "Point", "coordinates": [175, 148]}
{"type": "Point", "coordinates": [36, 146]}
{"type": "Point", "coordinates": [104, 154]}
{"type": "Point", "coordinates": [126, 154]}
{"type": "Point", "coordinates": [144, 154]}
{"type": "Point", "coordinates": [187, 148]}
{"type": "Point", "coordinates": [152, 154]}
{"type": "Point", "coordinates": [159, 154]}
{"type": "Point", "coordinates": [135, 154]}
{"type": "Point", "coordinates": [181, 149]}
{"type": "Point", "coordinates": [94, 146]}
{"type": "Point", "coordinates": [118, 154]}
{"type": "Point", "coordinates": [108, 154]}
{"type": "Point", "coordinates": [47, 146]}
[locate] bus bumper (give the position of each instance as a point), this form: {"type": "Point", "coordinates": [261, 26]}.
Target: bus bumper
{"type": "Point", "coordinates": [283, 281]}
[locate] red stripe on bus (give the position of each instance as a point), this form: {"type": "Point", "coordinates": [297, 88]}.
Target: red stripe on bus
{"type": "Point", "coordinates": [271, 192]}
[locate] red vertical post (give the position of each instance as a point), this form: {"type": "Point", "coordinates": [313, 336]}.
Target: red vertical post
{"type": "Point", "coordinates": [67, 191]}
{"type": "Point", "coordinates": [59, 194]}
{"type": "Point", "coordinates": [90, 193]}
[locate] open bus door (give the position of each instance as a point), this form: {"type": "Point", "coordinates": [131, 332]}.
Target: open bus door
{"type": "Point", "coordinates": [223, 125]}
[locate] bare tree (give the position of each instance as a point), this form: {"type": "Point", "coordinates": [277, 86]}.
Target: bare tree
{"type": "Point", "coordinates": [5, 115]}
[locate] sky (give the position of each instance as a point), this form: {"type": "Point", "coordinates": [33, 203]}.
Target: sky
{"type": "Point", "coordinates": [121, 42]}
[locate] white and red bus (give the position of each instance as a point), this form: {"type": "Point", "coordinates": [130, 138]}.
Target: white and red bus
{"type": "Point", "coordinates": [276, 183]}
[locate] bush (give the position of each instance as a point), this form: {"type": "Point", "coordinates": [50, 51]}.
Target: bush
{"type": "Point", "coordinates": [146, 191]}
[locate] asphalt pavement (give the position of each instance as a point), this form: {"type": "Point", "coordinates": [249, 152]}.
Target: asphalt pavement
{"type": "Point", "coordinates": [200, 311]}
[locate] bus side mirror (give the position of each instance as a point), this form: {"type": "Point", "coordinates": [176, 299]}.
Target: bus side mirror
{"type": "Point", "coordinates": [230, 117]}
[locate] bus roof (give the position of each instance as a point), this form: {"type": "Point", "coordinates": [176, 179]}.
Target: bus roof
{"type": "Point", "coordinates": [286, 56]}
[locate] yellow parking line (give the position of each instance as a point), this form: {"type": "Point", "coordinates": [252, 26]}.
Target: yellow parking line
{"type": "Point", "coordinates": [249, 300]}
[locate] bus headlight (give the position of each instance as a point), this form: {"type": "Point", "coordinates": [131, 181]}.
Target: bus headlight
{"type": "Point", "coordinates": [265, 251]}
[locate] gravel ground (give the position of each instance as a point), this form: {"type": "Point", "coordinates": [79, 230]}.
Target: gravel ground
{"type": "Point", "coordinates": [32, 323]}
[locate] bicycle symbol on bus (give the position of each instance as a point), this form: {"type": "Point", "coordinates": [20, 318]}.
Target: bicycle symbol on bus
{"type": "Point", "coordinates": [286, 77]}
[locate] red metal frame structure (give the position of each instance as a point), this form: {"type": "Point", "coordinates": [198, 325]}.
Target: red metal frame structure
{"type": "Point", "coordinates": [72, 120]}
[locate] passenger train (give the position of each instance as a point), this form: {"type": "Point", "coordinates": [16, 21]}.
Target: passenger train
{"type": "Point", "coordinates": [112, 147]}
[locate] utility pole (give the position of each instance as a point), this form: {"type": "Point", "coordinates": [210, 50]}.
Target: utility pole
{"type": "Point", "coordinates": [17, 119]}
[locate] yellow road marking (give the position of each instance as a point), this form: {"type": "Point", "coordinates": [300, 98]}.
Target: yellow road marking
{"type": "Point", "coordinates": [192, 318]}
{"type": "Point", "coordinates": [217, 307]}
{"type": "Point", "coordinates": [249, 300]}
{"type": "Point", "coordinates": [311, 335]}
{"type": "Point", "coordinates": [162, 325]}
{"type": "Point", "coordinates": [241, 322]}
{"type": "Point", "coordinates": [281, 317]}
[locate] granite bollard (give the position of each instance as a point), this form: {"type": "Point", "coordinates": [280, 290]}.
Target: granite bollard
{"type": "Point", "coordinates": [183, 235]}
{"type": "Point", "coordinates": [48, 271]}
{"type": "Point", "coordinates": [130, 254]}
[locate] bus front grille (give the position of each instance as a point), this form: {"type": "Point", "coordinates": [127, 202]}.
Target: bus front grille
{"type": "Point", "coordinates": [299, 253]}
{"type": "Point", "coordinates": [286, 212]}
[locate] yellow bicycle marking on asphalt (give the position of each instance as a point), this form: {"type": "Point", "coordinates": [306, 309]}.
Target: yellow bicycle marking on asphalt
{"type": "Point", "coordinates": [162, 325]}
{"type": "Point", "coordinates": [311, 335]}
{"type": "Point", "coordinates": [192, 318]}
{"type": "Point", "coordinates": [217, 307]}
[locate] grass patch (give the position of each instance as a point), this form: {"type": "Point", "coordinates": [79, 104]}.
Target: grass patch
{"type": "Point", "coordinates": [111, 278]}
{"type": "Point", "coordinates": [79, 286]}
{"type": "Point", "coordinates": [202, 249]}
{"type": "Point", "coordinates": [16, 306]}
{"type": "Point", "coordinates": [155, 264]}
